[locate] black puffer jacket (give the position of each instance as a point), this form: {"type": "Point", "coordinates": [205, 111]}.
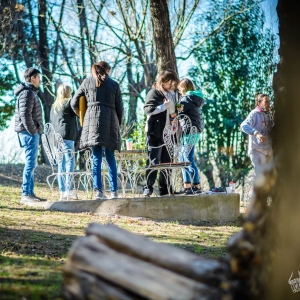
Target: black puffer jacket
{"type": "Point", "coordinates": [192, 108]}
{"type": "Point", "coordinates": [29, 113]}
{"type": "Point", "coordinates": [104, 114]}
{"type": "Point", "coordinates": [64, 122]}
{"type": "Point", "coordinates": [155, 123]}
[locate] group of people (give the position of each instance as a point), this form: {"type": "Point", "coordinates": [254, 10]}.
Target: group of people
{"type": "Point", "coordinates": [161, 108]}
{"type": "Point", "coordinates": [101, 128]}
{"type": "Point", "coordinates": [168, 98]}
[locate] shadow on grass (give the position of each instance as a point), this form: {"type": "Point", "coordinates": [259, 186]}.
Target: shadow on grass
{"type": "Point", "coordinates": [33, 243]}
{"type": "Point", "coordinates": [31, 263]}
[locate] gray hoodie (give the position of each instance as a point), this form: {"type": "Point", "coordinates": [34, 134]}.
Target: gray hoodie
{"type": "Point", "coordinates": [261, 122]}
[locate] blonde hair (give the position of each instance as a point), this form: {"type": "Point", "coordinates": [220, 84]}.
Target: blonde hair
{"type": "Point", "coordinates": [259, 98]}
{"type": "Point", "coordinates": [63, 96]}
{"type": "Point", "coordinates": [186, 85]}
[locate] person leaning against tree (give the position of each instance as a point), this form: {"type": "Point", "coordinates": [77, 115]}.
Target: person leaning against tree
{"type": "Point", "coordinates": [160, 108]}
{"type": "Point", "coordinates": [258, 126]}
{"type": "Point", "coordinates": [64, 122]}
{"type": "Point", "coordinates": [101, 123]}
{"type": "Point", "coordinates": [29, 126]}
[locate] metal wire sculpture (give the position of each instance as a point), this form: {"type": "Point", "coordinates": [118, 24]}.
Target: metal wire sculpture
{"type": "Point", "coordinates": [179, 138]}
{"type": "Point", "coordinates": [53, 145]}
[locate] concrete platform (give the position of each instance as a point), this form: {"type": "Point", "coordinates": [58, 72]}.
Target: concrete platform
{"type": "Point", "coordinates": [216, 207]}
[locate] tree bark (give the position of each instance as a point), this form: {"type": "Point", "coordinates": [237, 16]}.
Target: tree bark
{"type": "Point", "coordinates": [286, 221]}
{"type": "Point", "coordinates": [47, 95]}
{"type": "Point", "coordinates": [165, 54]}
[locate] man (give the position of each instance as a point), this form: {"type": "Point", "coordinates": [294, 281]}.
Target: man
{"type": "Point", "coordinates": [258, 125]}
{"type": "Point", "coordinates": [29, 126]}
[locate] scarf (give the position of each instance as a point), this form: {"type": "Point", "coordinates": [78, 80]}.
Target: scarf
{"type": "Point", "coordinates": [173, 98]}
{"type": "Point", "coordinates": [261, 109]}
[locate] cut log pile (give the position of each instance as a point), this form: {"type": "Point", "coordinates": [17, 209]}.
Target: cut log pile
{"type": "Point", "coordinates": [111, 263]}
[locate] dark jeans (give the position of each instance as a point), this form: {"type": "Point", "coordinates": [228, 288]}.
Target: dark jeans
{"type": "Point", "coordinates": [159, 155]}
{"type": "Point", "coordinates": [112, 168]}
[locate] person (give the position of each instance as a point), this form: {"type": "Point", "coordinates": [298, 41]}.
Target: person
{"type": "Point", "coordinates": [64, 122]}
{"type": "Point", "coordinates": [191, 103]}
{"type": "Point", "coordinates": [101, 123]}
{"type": "Point", "coordinates": [160, 108]}
{"type": "Point", "coordinates": [258, 126]}
{"type": "Point", "coordinates": [29, 126]}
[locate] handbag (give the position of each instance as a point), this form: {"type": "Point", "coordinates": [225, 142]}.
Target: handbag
{"type": "Point", "coordinates": [82, 109]}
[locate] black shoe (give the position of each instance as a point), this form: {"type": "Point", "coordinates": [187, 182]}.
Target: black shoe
{"type": "Point", "coordinates": [164, 193]}
{"type": "Point", "coordinates": [33, 196]}
{"type": "Point", "coordinates": [192, 191]}
{"type": "Point", "coordinates": [147, 192]}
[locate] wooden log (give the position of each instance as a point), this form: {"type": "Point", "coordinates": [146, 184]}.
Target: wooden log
{"type": "Point", "coordinates": [134, 275]}
{"type": "Point", "coordinates": [205, 270]}
{"type": "Point", "coordinates": [79, 285]}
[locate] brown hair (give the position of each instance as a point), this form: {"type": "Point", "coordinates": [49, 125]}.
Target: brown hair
{"type": "Point", "coordinates": [186, 85]}
{"type": "Point", "coordinates": [164, 77]}
{"type": "Point", "coordinates": [259, 98]}
{"type": "Point", "coordinates": [99, 71]}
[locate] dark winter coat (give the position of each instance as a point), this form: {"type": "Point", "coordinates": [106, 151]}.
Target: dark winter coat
{"type": "Point", "coordinates": [192, 108]}
{"type": "Point", "coordinates": [104, 114]}
{"type": "Point", "coordinates": [29, 113]}
{"type": "Point", "coordinates": [65, 122]}
{"type": "Point", "coordinates": [155, 123]}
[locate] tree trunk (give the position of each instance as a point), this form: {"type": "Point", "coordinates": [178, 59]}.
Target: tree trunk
{"type": "Point", "coordinates": [47, 95]}
{"type": "Point", "coordinates": [133, 95]}
{"type": "Point", "coordinates": [286, 220]}
{"type": "Point", "coordinates": [165, 54]}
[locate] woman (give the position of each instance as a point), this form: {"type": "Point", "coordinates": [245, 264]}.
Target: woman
{"type": "Point", "coordinates": [101, 124]}
{"type": "Point", "coordinates": [191, 104]}
{"type": "Point", "coordinates": [160, 108]}
{"type": "Point", "coordinates": [64, 121]}
{"type": "Point", "coordinates": [258, 125]}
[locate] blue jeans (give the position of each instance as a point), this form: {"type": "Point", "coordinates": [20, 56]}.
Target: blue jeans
{"type": "Point", "coordinates": [30, 143]}
{"type": "Point", "coordinates": [112, 168]}
{"type": "Point", "coordinates": [192, 170]}
{"type": "Point", "coordinates": [67, 164]}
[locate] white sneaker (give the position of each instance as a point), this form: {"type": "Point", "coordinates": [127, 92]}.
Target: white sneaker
{"type": "Point", "coordinates": [113, 195]}
{"type": "Point", "coordinates": [62, 196]}
{"type": "Point", "coordinates": [70, 195]}
{"type": "Point", "coordinates": [100, 195]}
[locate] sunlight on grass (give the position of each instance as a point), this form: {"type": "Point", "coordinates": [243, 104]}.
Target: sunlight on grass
{"type": "Point", "coordinates": [35, 242]}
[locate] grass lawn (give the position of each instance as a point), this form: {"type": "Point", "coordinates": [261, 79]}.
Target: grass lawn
{"type": "Point", "coordinates": [34, 243]}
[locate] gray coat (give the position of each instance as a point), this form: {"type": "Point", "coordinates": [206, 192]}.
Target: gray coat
{"type": "Point", "coordinates": [29, 113]}
{"type": "Point", "coordinates": [104, 114]}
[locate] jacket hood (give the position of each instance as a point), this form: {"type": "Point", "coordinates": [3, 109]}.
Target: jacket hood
{"type": "Point", "coordinates": [198, 101]}
{"type": "Point", "coordinates": [197, 93]}
{"type": "Point", "coordinates": [24, 86]}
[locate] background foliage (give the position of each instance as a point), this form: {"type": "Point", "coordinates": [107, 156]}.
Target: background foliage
{"type": "Point", "coordinates": [231, 51]}
{"type": "Point", "coordinates": [234, 65]}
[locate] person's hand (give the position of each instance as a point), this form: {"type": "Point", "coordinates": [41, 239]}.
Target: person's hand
{"type": "Point", "coordinates": [173, 115]}
{"type": "Point", "coordinates": [261, 137]}
{"type": "Point", "coordinates": [180, 109]}
{"type": "Point", "coordinates": [167, 103]}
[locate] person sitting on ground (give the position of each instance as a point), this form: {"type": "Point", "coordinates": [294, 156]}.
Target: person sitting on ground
{"type": "Point", "coordinates": [64, 122]}
{"type": "Point", "coordinates": [258, 125]}
{"type": "Point", "coordinates": [160, 108]}
{"type": "Point", "coordinates": [29, 126]}
{"type": "Point", "coordinates": [191, 103]}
